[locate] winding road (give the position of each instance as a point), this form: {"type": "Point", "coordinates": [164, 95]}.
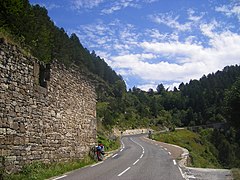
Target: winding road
{"type": "Point", "coordinates": [138, 159]}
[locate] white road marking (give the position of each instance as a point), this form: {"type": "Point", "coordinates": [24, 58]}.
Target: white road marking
{"type": "Point", "coordinates": [191, 176]}
{"type": "Point", "coordinates": [123, 146]}
{"type": "Point", "coordinates": [124, 171]}
{"type": "Point", "coordinates": [139, 145]}
{"type": "Point", "coordinates": [169, 153]}
{"type": "Point", "coordinates": [97, 164]}
{"type": "Point", "coordinates": [156, 144]}
{"type": "Point", "coordinates": [181, 172]}
{"type": "Point", "coordinates": [135, 162]}
{"type": "Point", "coordinates": [141, 156]}
{"type": "Point", "coordinates": [121, 150]}
{"type": "Point", "coordinates": [165, 149]}
{"type": "Point", "coordinates": [174, 162]}
{"type": "Point", "coordinates": [60, 177]}
{"type": "Point", "coordinates": [114, 155]}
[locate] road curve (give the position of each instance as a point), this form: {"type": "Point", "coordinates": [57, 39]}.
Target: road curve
{"type": "Point", "coordinates": [136, 160]}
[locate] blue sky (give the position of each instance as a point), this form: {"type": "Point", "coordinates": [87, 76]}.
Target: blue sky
{"type": "Point", "coordinates": [150, 42]}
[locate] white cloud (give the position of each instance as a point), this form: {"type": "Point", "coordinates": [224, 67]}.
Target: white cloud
{"type": "Point", "coordinates": [172, 48]}
{"type": "Point", "coordinates": [170, 21]}
{"type": "Point", "coordinates": [190, 60]}
{"type": "Point", "coordinates": [230, 10]}
{"type": "Point", "coordinates": [147, 86]}
{"type": "Point", "coordinates": [111, 37]}
{"type": "Point", "coordinates": [89, 4]}
{"type": "Point", "coordinates": [224, 50]}
{"type": "Point", "coordinates": [193, 17]}
{"type": "Point", "coordinates": [156, 34]}
{"type": "Point", "coordinates": [156, 57]}
{"type": "Point", "coordinates": [119, 5]}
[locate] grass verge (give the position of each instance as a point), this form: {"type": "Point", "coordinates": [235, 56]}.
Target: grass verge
{"type": "Point", "coordinates": [109, 144]}
{"type": "Point", "coordinates": [41, 171]}
{"type": "Point", "coordinates": [236, 174]}
{"type": "Point", "coordinates": [201, 151]}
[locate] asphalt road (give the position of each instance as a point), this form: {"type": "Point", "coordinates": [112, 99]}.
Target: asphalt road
{"type": "Point", "coordinates": [136, 160]}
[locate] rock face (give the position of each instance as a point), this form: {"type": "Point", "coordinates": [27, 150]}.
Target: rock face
{"type": "Point", "coordinates": [47, 113]}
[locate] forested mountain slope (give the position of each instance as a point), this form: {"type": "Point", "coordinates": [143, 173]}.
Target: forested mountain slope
{"type": "Point", "coordinates": [31, 27]}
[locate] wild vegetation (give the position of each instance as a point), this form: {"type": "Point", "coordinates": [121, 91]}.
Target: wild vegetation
{"type": "Point", "coordinates": [213, 98]}
{"type": "Point", "coordinates": [206, 149]}
{"type": "Point", "coordinates": [41, 171]}
{"type": "Point", "coordinates": [236, 174]}
{"type": "Point", "coordinates": [202, 153]}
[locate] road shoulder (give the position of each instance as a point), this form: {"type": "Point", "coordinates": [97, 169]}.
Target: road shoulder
{"type": "Point", "coordinates": [182, 156]}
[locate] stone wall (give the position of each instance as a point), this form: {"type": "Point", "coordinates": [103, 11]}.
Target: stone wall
{"type": "Point", "coordinates": [46, 114]}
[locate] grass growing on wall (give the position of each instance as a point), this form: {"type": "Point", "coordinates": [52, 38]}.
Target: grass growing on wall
{"type": "Point", "coordinates": [201, 151]}
{"type": "Point", "coordinates": [236, 174]}
{"type": "Point", "coordinates": [40, 171]}
{"type": "Point", "coordinates": [9, 38]}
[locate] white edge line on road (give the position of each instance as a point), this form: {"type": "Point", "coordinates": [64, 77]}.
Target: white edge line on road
{"type": "Point", "coordinates": [97, 164]}
{"type": "Point", "coordinates": [123, 146]}
{"type": "Point", "coordinates": [181, 172]}
{"type": "Point", "coordinates": [165, 149]}
{"type": "Point", "coordinates": [60, 177]}
{"type": "Point", "coordinates": [114, 155]}
{"type": "Point", "coordinates": [138, 144]}
{"type": "Point", "coordinates": [124, 171]}
{"type": "Point", "coordinates": [174, 162]}
{"type": "Point", "coordinates": [141, 156]}
{"type": "Point", "coordinates": [191, 176]}
{"type": "Point", "coordinates": [169, 153]}
{"type": "Point", "coordinates": [121, 150]}
{"type": "Point", "coordinates": [135, 162]}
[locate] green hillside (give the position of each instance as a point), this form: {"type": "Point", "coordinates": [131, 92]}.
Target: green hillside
{"type": "Point", "coordinates": [202, 153]}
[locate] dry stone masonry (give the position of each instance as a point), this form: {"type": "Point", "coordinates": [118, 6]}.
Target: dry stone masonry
{"type": "Point", "coordinates": [47, 113]}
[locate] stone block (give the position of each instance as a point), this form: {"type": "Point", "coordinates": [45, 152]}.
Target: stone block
{"type": "Point", "coordinates": [4, 123]}
{"type": "Point", "coordinates": [5, 152]}
{"type": "Point", "coordinates": [3, 131]}
{"type": "Point", "coordinates": [18, 140]}
{"type": "Point", "coordinates": [10, 131]}
{"type": "Point", "coordinates": [15, 126]}
{"type": "Point", "coordinates": [22, 128]}
{"type": "Point", "coordinates": [10, 159]}
{"type": "Point", "coordinates": [17, 109]}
